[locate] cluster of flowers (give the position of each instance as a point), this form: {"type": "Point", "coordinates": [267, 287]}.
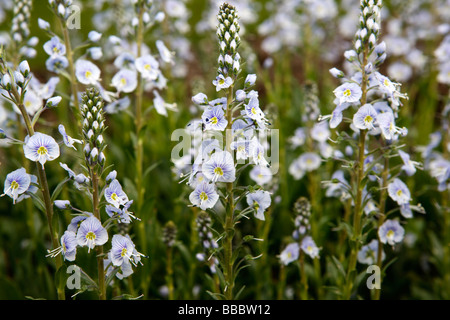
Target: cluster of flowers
{"type": "Point", "coordinates": [85, 229]}
{"type": "Point", "coordinates": [310, 137]}
{"type": "Point", "coordinates": [213, 164]}
{"type": "Point", "coordinates": [302, 240]}
{"type": "Point", "coordinates": [39, 147]}
{"type": "Point", "coordinates": [377, 118]}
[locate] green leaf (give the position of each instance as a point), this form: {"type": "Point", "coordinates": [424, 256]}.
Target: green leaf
{"type": "Point", "coordinates": [61, 277]}
{"type": "Point", "coordinates": [58, 189]}
{"type": "Point", "coordinates": [151, 168]}
{"type": "Point", "coordinates": [338, 265]}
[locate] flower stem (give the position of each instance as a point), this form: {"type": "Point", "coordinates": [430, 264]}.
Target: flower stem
{"type": "Point", "coordinates": [303, 277]}
{"type": "Point", "coordinates": [43, 184]}
{"type": "Point", "coordinates": [229, 223]}
{"type": "Point", "coordinates": [382, 209]}
{"type": "Point", "coordinates": [169, 272]}
{"type": "Point", "coordinates": [100, 264]}
{"type": "Point", "coordinates": [73, 79]}
{"type": "Point", "coordinates": [357, 215]}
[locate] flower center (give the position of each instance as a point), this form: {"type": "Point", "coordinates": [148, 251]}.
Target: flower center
{"type": "Point", "coordinates": [203, 196]}
{"type": "Point", "coordinates": [114, 197]}
{"type": "Point", "coordinates": [221, 81]}
{"type": "Point", "coordinates": [309, 249]}
{"type": "Point", "coordinates": [399, 193]}
{"type": "Point", "coordinates": [256, 205]}
{"type": "Point", "coordinates": [123, 81]}
{"type": "Point", "coordinates": [390, 234]}
{"type": "Point", "coordinates": [214, 120]}
{"type": "Point", "coordinates": [88, 74]}
{"type": "Point", "coordinates": [124, 252]}
{"type": "Point", "coordinates": [90, 236]}
{"type": "Point", "coordinates": [147, 67]}
{"type": "Point", "coordinates": [347, 93]}
{"type": "Point", "coordinates": [218, 171]}
{"type": "Point", "coordinates": [368, 119]}
{"type": "Point", "coordinates": [14, 185]}
{"type": "Point", "coordinates": [253, 111]}
{"type": "Point", "coordinates": [42, 150]}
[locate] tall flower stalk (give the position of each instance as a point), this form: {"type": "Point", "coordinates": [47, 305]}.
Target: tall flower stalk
{"type": "Point", "coordinates": [377, 100]}
{"type": "Point", "coordinates": [233, 119]}
{"type": "Point", "coordinates": [38, 149]}
{"type": "Point", "coordinates": [94, 145]}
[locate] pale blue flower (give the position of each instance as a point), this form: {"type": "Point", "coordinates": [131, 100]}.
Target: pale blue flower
{"type": "Point", "coordinates": [122, 250]}
{"type": "Point", "coordinates": [214, 119]}
{"type": "Point", "coordinates": [365, 117]}
{"type": "Point", "coordinates": [399, 192]}
{"type": "Point", "coordinates": [320, 132]}
{"type": "Point", "coordinates": [148, 67]}
{"type": "Point", "coordinates": [200, 98]}
{"type": "Point", "coordinates": [408, 166]}
{"type": "Point", "coordinates": [117, 105]}
{"type": "Point", "coordinates": [95, 53]}
{"type": "Point", "coordinates": [257, 152]}
{"type": "Point", "coordinates": [62, 204]}
{"type": "Point", "coordinates": [125, 80]}
{"type": "Point", "coordinates": [53, 102]}
{"type": "Point", "coordinates": [261, 175]}
{"type": "Point", "coordinates": [68, 247]}
{"type": "Point", "coordinates": [16, 183]}
{"type": "Point", "coordinates": [309, 161]}
{"type": "Point", "coordinates": [222, 83]}
{"type": "Point", "coordinates": [122, 214]}
{"type": "Point", "coordinates": [259, 200]}
{"type": "Point", "coordinates": [165, 54]}
{"type": "Point", "coordinates": [290, 253]}
{"type": "Point", "coordinates": [252, 109]}
{"type": "Point", "coordinates": [115, 195]}
{"type": "Point", "coordinates": [204, 196]}
{"type": "Point", "coordinates": [54, 47]}
{"type": "Point", "coordinates": [56, 63]}
{"type": "Point", "coordinates": [242, 147]}
{"type": "Point", "coordinates": [386, 122]}
{"type": "Point", "coordinates": [87, 72]}
{"type": "Point", "coordinates": [250, 80]}
{"type": "Point", "coordinates": [348, 92]}
{"type": "Point", "coordinates": [220, 167]}
{"type": "Point", "coordinates": [299, 137]}
{"type": "Point", "coordinates": [391, 232]}
{"type": "Point", "coordinates": [369, 253]}
{"type": "Point", "coordinates": [41, 147]}
{"type": "Point", "coordinates": [111, 176]}
{"type": "Point", "coordinates": [309, 247]}
{"type": "Point", "coordinates": [240, 95]}
{"type": "Point", "coordinates": [91, 233]}
{"type": "Point", "coordinates": [68, 141]}
{"type": "Point", "coordinates": [94, 36]}
{"type": "Point", "coordinates": [32, 102]}
{"type": "Point", "coordinates": [161, 106]}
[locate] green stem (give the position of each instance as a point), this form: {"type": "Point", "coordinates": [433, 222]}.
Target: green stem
{"type": "Point", "coordinates": [357, 215]}
{"type": "Point", "coordinates": [100, 264]}
{"type": "Point", "coordinates": [169, 271]}
{"type": "Point", "coordinates": [43, 184]}
{"type": "Point", "coordinates": [303, 277]}
{"type": "Point", "coordinates": [382, 216]}
{"type": "Point", "coordinates": [229, 219]}
{"type": "Point", "coordinates": [73, 78]}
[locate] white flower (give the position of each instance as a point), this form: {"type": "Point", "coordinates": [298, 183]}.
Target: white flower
{"type": "Point", "coordinates": [87, 72]}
